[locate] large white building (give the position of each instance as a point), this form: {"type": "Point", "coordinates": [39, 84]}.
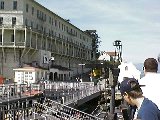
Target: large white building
{"type": "Point", "coordinates": [32, 34]}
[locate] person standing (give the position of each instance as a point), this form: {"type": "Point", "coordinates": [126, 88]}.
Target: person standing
{"type": "Point", "coordinates": [151, 80]}
{"type": "Point", "coordinates": [133, 95]}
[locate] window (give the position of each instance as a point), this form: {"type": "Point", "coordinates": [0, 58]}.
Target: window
{"type": "Point", "coordinates": [59, 25]}
{"type": "Point", "coordinates": [55, 22]}
{"type": "Point", "coordinates": [26, 22]}
{"type": "Point", "coordinates": [27, 7]}
{"type": "Point", "coordinates": [14, 5]}
{"type": "Point", "coordinates": [32, 10]}
{"type": "Point", "coordinates": [31, 24]}
{"type": "Point", "coordinates": [26, 76]}
{"type": "Point", "coordinates": [2, 5]}
{"type": "Point", "coordinates": [49, 19]}
{"type": "Point", "coordinates": [62, 27]}
{"type": "Point", "coordinates": [0, 37]}
{"type": "Point", "coordinates": [1, 20]}
{"type": "Point", "coordinates": [12, 38]}
{"type": "Point", "coordinates": [37, 13]}
{"type": "Point", "coordinates": [44, 30]}
{"type": "Point", "coordinates": [45, 17]}
{"type": "Point", "coordinates": [13, 20]}
{"type": "Point", "coordinates": [37, 26]}
{"type": "Point", "coordinates": [67, 28]}
{"type": "Point", "coordinates": [52, 21]}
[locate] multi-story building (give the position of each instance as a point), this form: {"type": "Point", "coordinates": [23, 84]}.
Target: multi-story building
{"type": "Point", "coordinates": [32, 34]}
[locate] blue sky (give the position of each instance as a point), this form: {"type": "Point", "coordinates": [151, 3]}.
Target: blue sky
{"type": "Point", "coordinates": [135, 22]}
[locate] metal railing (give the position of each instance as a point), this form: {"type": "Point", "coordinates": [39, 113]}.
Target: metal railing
{"type": "Point", "coordinates": [11, 91]}
{"type": "Point", "coordinates": [68, 92]}
{"type": "Point", "coordinates": [64, 92]}
{"type": "Point", "coordinates": [53, 108]}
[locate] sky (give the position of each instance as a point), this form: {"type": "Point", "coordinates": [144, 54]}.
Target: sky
{"type": "Point", "coordinates": [136, 23]}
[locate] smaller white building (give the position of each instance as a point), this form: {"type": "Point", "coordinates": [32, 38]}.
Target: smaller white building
{"type": "Point", "coordinates": [28, 75]}
{"type": "Point", "coordinates": [108, 56]}
{"type": "Point", "coordinates": [128, 70]}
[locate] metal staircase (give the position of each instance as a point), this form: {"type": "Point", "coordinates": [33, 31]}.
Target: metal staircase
{"type": "Point", "coordinates": [51, 110]}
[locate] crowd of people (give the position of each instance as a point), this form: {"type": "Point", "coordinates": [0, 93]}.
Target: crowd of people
{"type": "Point", "coordinates": [143, 93]}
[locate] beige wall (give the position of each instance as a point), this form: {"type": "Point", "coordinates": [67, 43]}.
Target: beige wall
{"type": "Point", "coordinates": [35, 41]}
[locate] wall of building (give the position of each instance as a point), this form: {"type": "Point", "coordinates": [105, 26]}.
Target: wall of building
{"type": "Point", "coordinates": [41, 33]}
{"type": "Point", "coordinates": [8, 63]}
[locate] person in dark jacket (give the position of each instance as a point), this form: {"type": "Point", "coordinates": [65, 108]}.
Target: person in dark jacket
{"type": "Point", "coordinates": [133, 95]}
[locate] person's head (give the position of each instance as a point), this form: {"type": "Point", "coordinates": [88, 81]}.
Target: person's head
{"type": "Point", "coordinates": [150, 65]}
{"type": "Point", "coordinates": [130, 90]}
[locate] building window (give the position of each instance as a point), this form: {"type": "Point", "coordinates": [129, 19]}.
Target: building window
{"type": "Point", "coordinates": [37, 13]}
{"type": "Point", "coordinates": [0, 37]}
{"type": "Point", "coordinates": [37, 26]}
{"type": "Point", "coordinates": [26, 22]}
{"type": "Point", "coordinates": [32, 10]}
{"type": "Point", "coordinates": [31, 24]}
{"type": "Point", "coordinates": [1, 20]}
{"type": "Point", "coordinates": [49, 19]}
{"type": "Point", "coordinates": [62, 27]}
{"type": "Point", "coordinates": [45, 17]}
{"type": "Point", "coordinates": [55, 22]}
{"type": "Point", "coordinates": [67, 28]}
{"type": "Point", "coordinates": [59, 25]}
{"type": "Point", "coordinates": [27, 7]}
{"type": "Point", "coordinates": [14, 5]}
{"type": "Point", "coordinates": [44, 30]}
{"type": "Point", "coordinates": [13, 20]}
{"type": "Point", "coordinates": [12, 38]}
{"type": "Point", "coordinates": [52, 21]}
{"type": "Point", "coordinates": [2, 5]}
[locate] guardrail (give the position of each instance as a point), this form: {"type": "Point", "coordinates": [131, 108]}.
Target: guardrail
{"type": "Point", "coordinates": [11, 91]}
{"type": "Point", "coordinates": [50, 107]}
{"type": "Point", "coordinates": [65, 93]}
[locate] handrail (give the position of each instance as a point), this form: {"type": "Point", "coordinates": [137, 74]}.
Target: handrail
{"type": "Point", "coordinates": [71, 112]}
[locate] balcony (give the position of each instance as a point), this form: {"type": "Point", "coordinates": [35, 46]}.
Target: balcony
{"type": "Point", "coordinates": [71, 33]}
{"type": "Point", "coordinates": [7, 26]}
{"type": "Point", "coordinates": [12, 44]}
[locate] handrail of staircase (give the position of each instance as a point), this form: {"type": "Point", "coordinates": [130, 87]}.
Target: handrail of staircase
{"type": "Point", "coordinates": [74, 113]}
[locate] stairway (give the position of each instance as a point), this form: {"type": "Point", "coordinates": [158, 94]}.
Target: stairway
{"type": "Point", "coordinates": [54, 110]}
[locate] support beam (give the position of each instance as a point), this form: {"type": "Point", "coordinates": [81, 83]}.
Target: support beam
{"type": "Point", "coordinates": [2, 36]}
{"type": "Point", "coordinates": [36, 42]}
{"type": "Point", "coordinates": [25, 36]}
{"type": "Point", "coordinates": [2, 60]}
{"type": "Point", "coordinates": [30, 39]}
{"type": "Point", "coordinates": [23, 52]}
{"type": "Point", "coordinates": [14, 34]}
{"type": "Point", "coordinates": [46, 46]}
{"type": "Point", "coordinates": [41, 41]}
{"type": "Point", "coordinates": [27, 52]}
{"type": "Point", "coordinates": [33, 53]}
{"type": "Point", "coordinates": [14, 53]}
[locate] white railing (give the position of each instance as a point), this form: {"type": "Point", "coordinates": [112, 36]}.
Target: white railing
{"type": "Point", "coordinates": [12, 26]}
{"type": "Point", "coordinates": [9, 91]}
{"type": "Point", "coordinates": [68, 85]}
{"type": "Point", "coordinates": [70, 92]}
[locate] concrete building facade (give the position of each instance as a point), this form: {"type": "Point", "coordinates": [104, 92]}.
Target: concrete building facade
{"type": "Point", "coordinates": [32, 34]}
